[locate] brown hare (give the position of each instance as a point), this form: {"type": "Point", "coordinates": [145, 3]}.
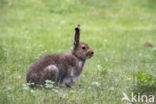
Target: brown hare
{"type": "Point", "coordinates": [62, 68]}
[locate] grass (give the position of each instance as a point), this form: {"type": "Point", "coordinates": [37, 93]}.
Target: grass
{"type": "Point", "coordinates": [115, 29]}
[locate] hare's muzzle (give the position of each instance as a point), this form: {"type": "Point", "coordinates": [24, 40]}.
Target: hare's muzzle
{"type": "Point", "coordinates": [90, 53]}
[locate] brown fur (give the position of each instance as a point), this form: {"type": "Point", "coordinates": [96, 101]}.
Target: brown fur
{"type": "Point", "coordinates": [61, 68]}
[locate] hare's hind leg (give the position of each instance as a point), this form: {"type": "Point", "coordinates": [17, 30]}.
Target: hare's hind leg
{"type": "Point", "coordinates": [51, 72]}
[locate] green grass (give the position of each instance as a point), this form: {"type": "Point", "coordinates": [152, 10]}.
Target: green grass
{"type": "Point", "coordinates": [115, 29]}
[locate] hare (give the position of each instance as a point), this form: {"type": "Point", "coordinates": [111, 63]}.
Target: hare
{"type": "Point", "coordinates": [62, 68]}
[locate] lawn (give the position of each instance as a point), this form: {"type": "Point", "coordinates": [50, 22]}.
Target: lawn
{"type": "Point", "coordinates": [115, 29]}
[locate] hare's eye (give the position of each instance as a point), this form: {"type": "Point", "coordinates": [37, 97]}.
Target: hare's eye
{"type": "Point", "coordinates": [83, 48]}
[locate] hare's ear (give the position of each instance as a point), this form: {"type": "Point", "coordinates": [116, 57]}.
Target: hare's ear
{"type": "Point", "coordinates": [76, 36]}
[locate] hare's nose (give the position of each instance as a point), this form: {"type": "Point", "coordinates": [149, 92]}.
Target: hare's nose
{"type": "Point", "coordinates": [92, 52]}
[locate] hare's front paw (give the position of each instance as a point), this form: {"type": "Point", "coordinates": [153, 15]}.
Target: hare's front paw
{"type": "Point", "coordinates": [75, 85]}
{"type": "Point", "coordinates": [72, 84]}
